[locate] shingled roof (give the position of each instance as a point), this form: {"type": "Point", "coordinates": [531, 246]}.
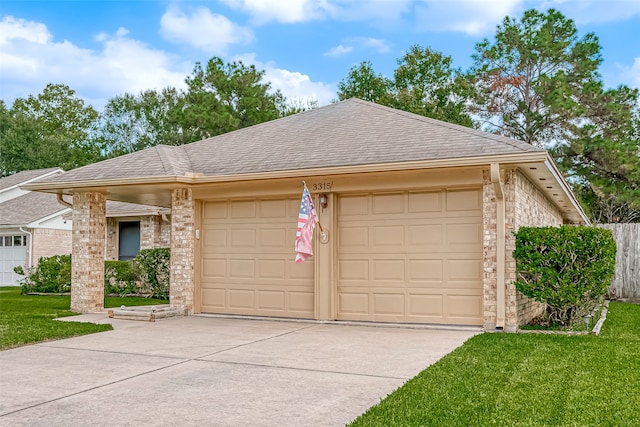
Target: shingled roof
{"type": "Point", "coordinates": [24, 176]}
{"type": "Point", "coordinates": [349, 133]}
{"type": "Point", "coordinates": [29, 208]}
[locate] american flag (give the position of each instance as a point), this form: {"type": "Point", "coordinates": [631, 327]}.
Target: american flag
{"type": "Point", "coordinates": [306, 223]}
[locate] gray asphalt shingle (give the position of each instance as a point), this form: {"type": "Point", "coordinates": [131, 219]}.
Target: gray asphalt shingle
{"type": "Point", "coordinates": [349, 133]}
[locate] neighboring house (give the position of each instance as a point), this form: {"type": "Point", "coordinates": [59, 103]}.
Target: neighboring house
{"type": "Point", "coordinates": [32, 225]}
{"type": "Point", "coordinates": [35, 225]}
{"type": "Point", "coordinates": [418, 221]}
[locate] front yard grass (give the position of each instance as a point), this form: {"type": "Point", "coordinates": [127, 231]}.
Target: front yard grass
{"type": "Point", "coordinates": [27, 319]}
{"type": "Point", "coordinates": [527, 380]}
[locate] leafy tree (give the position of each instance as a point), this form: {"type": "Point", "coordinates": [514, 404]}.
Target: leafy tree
{"type": "Point", "coordinates": [530, 79]}
{"type": "Point", "coordinates": [363, 82]}
{"type": "Point", "coordinates": [538, 82]}
{"type": "Point", "coordinates": [48, 130]}
{"type": "Point", "coordinates": [224, 97]}
{"type": "Point", "coordinates": [602, 155]}
{"type": "Point", "coordinates": [134, 122]}
{"type": "Point", "coordinates": [424, 83]}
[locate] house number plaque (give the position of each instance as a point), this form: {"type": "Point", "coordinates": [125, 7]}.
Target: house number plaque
{"type": "Point", "coordinates": [321, 186]}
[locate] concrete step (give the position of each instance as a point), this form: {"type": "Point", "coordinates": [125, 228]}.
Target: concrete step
{"type": "Point", "coordinates": [147, 313]}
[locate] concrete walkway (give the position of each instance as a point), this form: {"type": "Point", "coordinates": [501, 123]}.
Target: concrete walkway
{"type": "Point", "coordinates": [210, 371]}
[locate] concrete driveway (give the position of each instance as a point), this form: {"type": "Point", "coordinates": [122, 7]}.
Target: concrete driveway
{"type": "Point", "coordinates": [212, 371]}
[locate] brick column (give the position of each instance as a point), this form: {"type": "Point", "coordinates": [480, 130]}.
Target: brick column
{"type": "Point", "coordinates": [490, 239]}
{"type": "Point", "coordinates": [511, 300]}
{"type": "Point", "coordinates": [182, 280]}
{"type": "Point", "coordinates": [88, 241]}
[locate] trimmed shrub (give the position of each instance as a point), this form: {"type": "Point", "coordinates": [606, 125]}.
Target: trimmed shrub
{"type": "Point", "coordinates": [154, 265]}
{"type": "Point", "coordinates": [52, 275]}
{"type": "Point", "coordinates": [568, 268]}
{"type": "Point", "coordinates": [123, 278]}
{"type": "Point", "coordinates": [148, 273]}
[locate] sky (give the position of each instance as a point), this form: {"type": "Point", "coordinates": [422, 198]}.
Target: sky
{"type": "Point", "coordinates": [102, 49]}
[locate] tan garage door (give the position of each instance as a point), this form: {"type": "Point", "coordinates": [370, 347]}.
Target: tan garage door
{"type": "Point", "coordinates": [411, 257]}
{"type": "Point", "coordinates": [248, 260]}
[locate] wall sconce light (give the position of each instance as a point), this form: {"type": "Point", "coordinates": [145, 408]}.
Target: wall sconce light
{"type": "Point", "coordinates": [324, 200]}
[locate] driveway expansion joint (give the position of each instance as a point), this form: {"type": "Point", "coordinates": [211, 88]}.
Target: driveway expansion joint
{"type": "Point", "coordinates": [294, 368]}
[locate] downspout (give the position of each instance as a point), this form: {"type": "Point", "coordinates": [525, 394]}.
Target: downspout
{"type": "Point", "coordinates": [500, 245]}
{"type": "Point", "coordinates": [30, 234]}
{"type": "Point", "coordinates": [63, 202]}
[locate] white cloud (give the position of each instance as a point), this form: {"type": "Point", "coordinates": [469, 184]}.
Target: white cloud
{"type": "Point", "coordinates": [473, 17]}
{"type": "Point", "coordinates": [210, 32]}
{"type": "Point", "coordinates": [285, 11]}
{"type": "Point", "coordinates": [379, 12]}
{"type": "Point", "coordinates": [12, 30]}
{"type": "Point", "coordinates": [28, 61]}
{"type": "Point", "coordinates": [338, 50]}
{"type": "Point", "coordinates": [294, 85]}
{"type": "Point", "coordinates": [378, 44]}
{"type": "Point", "coordinates": [626, 74]}
{"type": "Point", "coordinates": [594, 11]}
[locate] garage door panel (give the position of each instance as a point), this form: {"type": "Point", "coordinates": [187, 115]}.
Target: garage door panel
{"type": "Point", "coordinates": [388, 204]}
{"type": "Point", "coordinates": [464, 306]}
{"type": "Point", "coordinates": [301, 302]}
{"type": "Point", "coordinates": [214, 267]}
{"type": "Point", "coordinates": [425, 235]}
{"type": "Point", "coordinates": [215, 237]}
{"type": "Point", "coordinates": [241, 298]}
{"type": "Point", "coordinates": [272, 268]}
{"type": "Point", "coordinates": [353, 269]}
{"type": "Point", "coordinates": [464, 270]}
{"type": "Point", "coordinates": [426, 270]}
{"type": "Point", "coordinates": [465, 236]}
{"type": "Point", "coordinates": [303, 271]}
{"type": "Point", "coordinates": [353, 205]}
{"type": "Point", "coordinates": [273, 208]}
{"type": "Point", "coordinates": [423, 247]}
{"type": "Point", "coordinates": [464, 200]}
{"type": "Point", "coordinates": [248, 259]}
{"type": "Point", "coordinates": [388, 304]}
{"type": "Point", "coordinates": [214, 298]}
{"type": "Point", "coordinates": [215, 210]}
{"type": "Point", "coordinates": [242, 268]}
{"type": "Point", "coordinates": [273, 237]}
{"type": "Point", "coordinates": [354, 236]}
{"type": "Point", "coordinates": [243, 238]}
{"type": "Point", "coordinates": [353, 305]}
{"type": "Point", "coordinates": [271, 300]}
{"type": "Point", "coordinates": [243, 209]}
{"type": "Point", "coordinates": [422, 305]}
{"type": "Point", "coordinates": [426, 201]}
{"type": "Point", "coordinates": [389, 270]}
{"type": "Point", "coordinates": [388, 235]}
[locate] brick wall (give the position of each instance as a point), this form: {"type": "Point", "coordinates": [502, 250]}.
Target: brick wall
{"type": "Point", "coordinates": [531, 208]}
{"type": "Point", "coordinates": [111, 252]}
{"type": "Point", "coordinates": [88, 251]}
{"type": "Point", "coordinates": [48, 242]}
{"type": "Point", "coordinates": [155, 232]}
{"type": "Point", "coordinates": [182, 249]}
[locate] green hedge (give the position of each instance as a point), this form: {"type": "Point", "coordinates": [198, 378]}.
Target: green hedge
{"type": "Point", "coordinates": [53, 275]}
{"type": "Point", "coordinates": [154, 267]}
{"type": "Point", "coordinates": [148, 273]}
{"type": "Point", "coordinates": [568, 268]}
